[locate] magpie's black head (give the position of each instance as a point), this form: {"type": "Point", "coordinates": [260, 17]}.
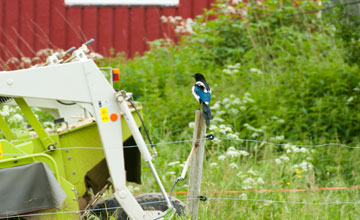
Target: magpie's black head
{"type": "Point", "coordinates": [199, 77]}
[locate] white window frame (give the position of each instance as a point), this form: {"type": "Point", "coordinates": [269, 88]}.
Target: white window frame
{"type": "Point", "coordinates": [123, 2]}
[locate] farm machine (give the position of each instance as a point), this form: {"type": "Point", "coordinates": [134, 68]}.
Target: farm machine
{"type": "Point", "coordinates": [63, 173]}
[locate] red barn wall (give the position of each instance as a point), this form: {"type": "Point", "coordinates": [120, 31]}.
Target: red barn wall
{"type": "Point", "coordinates": [31, 25]}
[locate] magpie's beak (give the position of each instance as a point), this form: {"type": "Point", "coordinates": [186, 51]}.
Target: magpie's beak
{"type": "Point", "coordinates": [193, 75]}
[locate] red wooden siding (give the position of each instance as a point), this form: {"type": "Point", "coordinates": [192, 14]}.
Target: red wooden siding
{"type": "Point", "coordinates": [31, 25]}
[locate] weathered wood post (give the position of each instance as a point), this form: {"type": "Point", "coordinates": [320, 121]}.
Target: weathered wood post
{"type": "Point", "coordinates": [196, 165]}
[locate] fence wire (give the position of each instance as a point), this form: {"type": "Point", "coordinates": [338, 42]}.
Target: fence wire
{"type": "Point", "coordinates": [89, 211]}
{"type": "Point", "coordinates": [211, 198]}
{"type": "Point", "coordinates": [191, 140]}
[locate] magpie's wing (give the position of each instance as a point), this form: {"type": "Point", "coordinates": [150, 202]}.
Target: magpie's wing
{"type": "Point", "coordinates": [195, 94]}
{"type": "Point", "coordinates": [204, 96]}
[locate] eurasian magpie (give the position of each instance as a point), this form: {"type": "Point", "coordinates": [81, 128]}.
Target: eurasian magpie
{"type": "Point", "coordinates": [202, 93]}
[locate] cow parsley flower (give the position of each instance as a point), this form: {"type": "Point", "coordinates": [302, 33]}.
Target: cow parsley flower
{"type": "Point", "coordinates": [233, 165]}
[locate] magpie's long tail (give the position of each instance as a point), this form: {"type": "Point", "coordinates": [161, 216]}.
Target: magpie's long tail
{"type": "Point", "coordinates": [207, 113]}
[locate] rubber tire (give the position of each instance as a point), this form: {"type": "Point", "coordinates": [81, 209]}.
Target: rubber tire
{"type": "Point", "coordinates": [106, 208]}
{"type": "Point", "coordinates": [148, 201]}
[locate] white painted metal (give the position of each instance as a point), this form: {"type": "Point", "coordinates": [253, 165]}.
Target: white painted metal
{"type": "Point", "coordinates": [121, 96]}
{"type": "Point", "coordinates": [122, 2]}
{"type": "Point", "coordinates": [79, 54]}
{"type": "Point", "coordinates": [53, 59]}
{"type": "Point", "coordinates": [65, 82]}
{"type": "Point", "coordinates": [83, 83]}
{"type": "Point", "coordinates": [70, 113]}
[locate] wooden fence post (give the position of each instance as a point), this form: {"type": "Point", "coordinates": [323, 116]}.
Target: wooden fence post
{"type": "Point", "coordinates": [196, 165]}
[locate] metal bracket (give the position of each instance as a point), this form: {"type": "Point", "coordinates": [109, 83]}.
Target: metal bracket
{"type": "Point", "coordinates": [210, 137]}
{"type": "Point", "coordinates": [203, 198]}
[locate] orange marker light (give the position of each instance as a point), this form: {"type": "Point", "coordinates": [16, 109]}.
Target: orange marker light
{"type": "Point", "coordinates": [113, 117]}
{"type": "Point", "coordinates": [116, 73]}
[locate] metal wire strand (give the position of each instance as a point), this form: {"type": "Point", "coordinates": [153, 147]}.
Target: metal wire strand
{"type": "Point", "coordinates": [211, 198]}
{"type": "Point", "coordinates": [186, 141]}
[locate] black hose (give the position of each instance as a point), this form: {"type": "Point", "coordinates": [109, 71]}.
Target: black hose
{"type": "Point", "coordinates": [64, 103]}
{"type": "Point", "coordinates": [143, 124]}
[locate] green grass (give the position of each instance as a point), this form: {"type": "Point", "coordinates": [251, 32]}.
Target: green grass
{"type": "Point", "coordinates": [233, 173]}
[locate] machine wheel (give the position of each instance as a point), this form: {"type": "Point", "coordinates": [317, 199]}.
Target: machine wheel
{"type": "Point", "coordinates": [148, 201]}
{"type": "Point", "coordinates": [105, 208]}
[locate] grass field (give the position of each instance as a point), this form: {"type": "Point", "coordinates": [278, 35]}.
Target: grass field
{"type": "Point", "coordinates": [272, 168]}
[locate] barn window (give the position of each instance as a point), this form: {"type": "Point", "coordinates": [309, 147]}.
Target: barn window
{"type": "Point", "coordinates": [123, 2]}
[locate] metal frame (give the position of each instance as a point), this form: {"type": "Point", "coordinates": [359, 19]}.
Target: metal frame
{"type": "Point", "coordinates": [81, 82]}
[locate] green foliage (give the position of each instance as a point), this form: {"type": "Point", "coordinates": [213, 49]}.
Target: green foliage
{"type": "Point", "coordinates": [285, 58]}
{"type": "Point", "coordinates": [277, 75]}
{"type": "Point", "coordinates": [347, 23]}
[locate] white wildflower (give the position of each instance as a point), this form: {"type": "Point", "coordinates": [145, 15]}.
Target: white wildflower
{"type": "Point", "coordinates": [248, 183]}
{"type": "Point", "coordinates": [215, 106]}
{"type": "Point", "coordinates": [243, 196]}
{"type": "Point", "coordinates": [229, 10]}
{"type": "Point", "coordinates": [217, 140]}
{"type": "Point", "coordinates": [213, 127]}
{"type": "Point", "coordinates": [164, 19]}
{"type": "Point", "coordinates": [303, 150]}
{"type": "Point", "coordinates": [228, 129]}
{"type": "Point", "coordinates": [173, 163]}
{"type": "Point", "coordinates": [231, 148]}
{"type": "Point", "coordinates": [214, 164]}
{"type": "Point", "coordinates": [191, 124]}
{"type": "Point", "coordinates": [281, 121]}
{"type": "Point", "coordinates": [260, 181]}
{"type": "Point", "coordinates": [251, 172]}
{"type": "Point", "coordinates": [234, 111]}
{"type": "Point", "coordinates": [226, 100]}
{"type": "Point", "coordinates": [232, 136]}
{"type": "Point", "coordinates": [236, 101]}
{"type": "Point", "coordinates": [285, 158]}
{"type": "Point", "coordinates": [233, 165]}
{"type": "Point", "coordinates": [172, 20]}
{"type": "Point", "coordinates": [247, 99]}
{"type": "Point", "coordinates": [244, 153]}
{"type": "Point", "coordinates": [221, 157]}
{"type": "Point", "coordinates": [232, 152]}
{"type": "Point", "coordinates": [350, 99]}
{"type": "Point", "coordinates": [221, 112]}
{"type": "Point", "coordinates": [5, 111]}
{"type": "Point", "coordinates": [274, 117]}
{"type": "Point", "coordinates": [277, 138]}
{"type": "Point", "coordinates": [26, 60]}
{"type": "Point", "coordinates": [304, 165]}
{"type": "Point", "coordinates": [171, 173]}
{"type": "Point", "coordinates": [277, 161]}
{"type": "Point", "coordinates": [17, 118]}
{"type": "Point", "coordinates": [254, 70]}
{"type": "Point", "coordinates": [218, 119]}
